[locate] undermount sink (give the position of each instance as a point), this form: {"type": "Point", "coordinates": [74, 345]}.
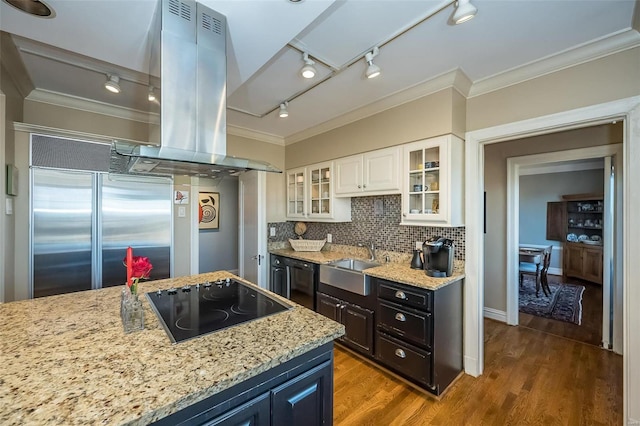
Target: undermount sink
{"type": "Point", "coordinates": [348, 275]}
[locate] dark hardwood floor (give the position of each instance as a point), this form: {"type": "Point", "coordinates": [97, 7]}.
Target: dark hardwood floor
{"type": "Point", "coordinates": [530, 378]}
{"type": "Point", "coordinates": [590, 331]}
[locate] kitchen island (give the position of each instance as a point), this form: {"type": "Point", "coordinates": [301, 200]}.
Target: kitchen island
{"type": "Point", "coordinates": [66, 360]}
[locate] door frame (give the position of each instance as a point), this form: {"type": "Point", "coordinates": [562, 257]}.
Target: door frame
{"type": "Point", "coordinates": [516, 167]}
{"type": "Point", "coordinates": [261, 236]}
{"type": "Point", "coordinates": [627, 109]}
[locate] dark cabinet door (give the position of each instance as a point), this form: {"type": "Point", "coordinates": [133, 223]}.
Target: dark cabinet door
{"type": "Point", "coordinates": [329, 307]}
{"type": "Point", "coordinates": [256, 412]}
{"type": "Point", "coordinates": [556, 221]}
{"type": "Point", "coordinates": [358, 324]}
{"type": "Point", "coordinates": [305, 400]}
{"type": "Point", "coordinates": [279, 280]}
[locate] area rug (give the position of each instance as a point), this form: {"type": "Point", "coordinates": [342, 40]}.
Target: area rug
{"type": "Point", "coordinates": [563, 304]}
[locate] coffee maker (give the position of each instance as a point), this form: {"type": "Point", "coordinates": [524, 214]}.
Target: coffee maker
{"type": "Point", "coordinates": [438, 257]}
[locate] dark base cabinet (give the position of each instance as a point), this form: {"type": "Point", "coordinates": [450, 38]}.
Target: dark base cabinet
{"type": "Point", "coordinates": [419, 333]}
{"type": "Point", "coordinates": [357, 321]}
{"type": "Point", "coordinates": [298, 392]}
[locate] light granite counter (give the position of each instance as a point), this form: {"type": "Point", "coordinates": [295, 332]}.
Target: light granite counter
{"type": "Point", "coordinates": [398, 269]}
{"type": "Point", "coordinates": [66, 360]}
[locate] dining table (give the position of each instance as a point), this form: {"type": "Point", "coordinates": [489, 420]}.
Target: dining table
{"type": "Point", "coordinates": [532, 256]}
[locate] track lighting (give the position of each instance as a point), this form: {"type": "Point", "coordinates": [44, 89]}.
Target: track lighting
{"type": "Point", "coordinates": [463, 12]}
{"type": "Point", "coordinates": [151, 95]}
{"type": "Point", "coordinates": [283, 110]}
{"type": "Point", "coordinates": [308, 70]}
{"type": "Point", "coordinates": [372, 69]}
{"type": "Point", "coordinates": [112, 83]}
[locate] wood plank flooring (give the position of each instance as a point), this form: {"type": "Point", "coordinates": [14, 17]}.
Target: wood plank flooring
{"type": "Point", "coordinates": [590, 331]}
{"type": "Point", "coordinates": [530, 378]}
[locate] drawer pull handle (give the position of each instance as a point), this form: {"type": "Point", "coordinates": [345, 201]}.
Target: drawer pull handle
{"type": "Point", "coordinates": [401, 317]}
{"type": "Point", "coordinates": [400, 353]}
{"type": "Point", "coordinates": [401, 295]}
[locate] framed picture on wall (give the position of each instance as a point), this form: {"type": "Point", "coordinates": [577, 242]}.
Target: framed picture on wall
{"type": "Point", "coordinates": [209, 210]}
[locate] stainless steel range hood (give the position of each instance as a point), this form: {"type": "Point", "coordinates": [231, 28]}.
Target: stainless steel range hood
{"type": "Point", "coordinates": [188, 74]}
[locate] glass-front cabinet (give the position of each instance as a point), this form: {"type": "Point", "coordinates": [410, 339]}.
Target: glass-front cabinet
{"type": "Point", "coordinates": [433, 182]}
{"type": "Point", "coordinates": [320, 186]}
{"type": "Point", "coordinates": [296, 193]}
{"type": "Point", "coordinates": [311, 195]}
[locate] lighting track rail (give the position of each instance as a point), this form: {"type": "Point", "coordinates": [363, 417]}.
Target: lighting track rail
{"type": "Point", "coordinates": [358, 58]}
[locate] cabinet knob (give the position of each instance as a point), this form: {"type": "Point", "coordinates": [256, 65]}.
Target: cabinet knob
{"type": "Point", "coordinates": [404, 215]}
{"type": "Point", "coordinates": [400, 317]}
{"type": "Point", "coordinates": [400, 353]}
{"type": "Point", "coordinates": [359, 186]}
{"type": "Point", "coordinates": [364, 186]}
{"type": "Point", "coordinates": [401, 295]}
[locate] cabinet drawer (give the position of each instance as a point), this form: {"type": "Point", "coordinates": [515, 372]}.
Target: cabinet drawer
{"type": "Point", "coordinates": [411, 362]}
{"type": "Point", "coordinates": [409, 325]}
{"type": "Point", "coordinates": [409, 297]}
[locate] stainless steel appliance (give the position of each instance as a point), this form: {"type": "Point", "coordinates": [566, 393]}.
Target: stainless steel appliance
{"type": "Point", "coordinates": [294, 279]}
{"type": "Point", "coordinates": [188, 66]}
{"type": "Point", "coordinates": [438, 255]}
{"type": "Point", "coordinates": [196, 310]}
{"type": "Point", "coordinates": [83, 220]}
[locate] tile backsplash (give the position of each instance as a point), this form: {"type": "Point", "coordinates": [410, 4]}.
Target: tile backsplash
{"type": "Point", "coordinates": [382, 228]}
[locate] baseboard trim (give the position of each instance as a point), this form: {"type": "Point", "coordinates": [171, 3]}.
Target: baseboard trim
{"type": "Point", "coordinates": [554, 271]}
{"type": "Point", "coordinates": [495, 314]}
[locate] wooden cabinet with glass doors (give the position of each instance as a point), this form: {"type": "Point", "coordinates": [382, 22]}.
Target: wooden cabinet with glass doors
{"type": "Point", "coordinates": [433, 184]}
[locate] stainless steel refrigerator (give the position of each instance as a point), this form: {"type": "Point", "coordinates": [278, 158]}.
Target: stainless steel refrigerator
{"type": "Point", "coordinates": [83, 221]}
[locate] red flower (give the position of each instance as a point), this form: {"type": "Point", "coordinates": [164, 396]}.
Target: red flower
{"type": "Point", "coordinates": [141, 267]}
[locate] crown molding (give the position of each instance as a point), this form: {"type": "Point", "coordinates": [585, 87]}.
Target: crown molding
{"type": "Point", "coordinates": [12, 63]}
{"type": "Point", "coordinates": [88, 105]}
{"type": "Point", "coordinates": [574, 166]}
{"type": "Point", "coordinates": [254, 134]}
{"type": "Point", "coordinates": [623, 40]}
{"type": "Point", "coordinates": [455, 79]}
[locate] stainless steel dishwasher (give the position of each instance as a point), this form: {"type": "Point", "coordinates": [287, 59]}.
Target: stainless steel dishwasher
{"type": "Point", "coordinates": [295, 279]}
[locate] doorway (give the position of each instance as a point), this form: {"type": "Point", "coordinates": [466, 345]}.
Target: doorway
{"type": "Point", "coordinates": [627, 110]}
{"type": "Point", "coordinates": [605, 181]}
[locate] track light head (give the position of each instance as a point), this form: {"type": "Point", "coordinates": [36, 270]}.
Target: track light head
{"type": "Point", "coordinates": [112, 83]}
{"type": "Point", "coordinates": [283, 110]}
{"type": "Point", "coordinates": [308, 70]}
{"type": "Point", "coordinates": [372, 69]}
{"type": "Point", "coordinates": [463, 12]}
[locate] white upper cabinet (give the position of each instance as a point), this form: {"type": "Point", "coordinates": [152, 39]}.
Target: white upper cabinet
{"type": "Point", "coordinates": [433, 182]}
{"type": "Point", "coordinates": [311, 195]}
{"type": "Point", "coordinates": [371, 173]}
{"type": "Point", "coordinates": [296, 193]}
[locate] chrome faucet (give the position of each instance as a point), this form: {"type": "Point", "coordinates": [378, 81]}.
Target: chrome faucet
{"type": "Point", "coordinates": [372, 250]}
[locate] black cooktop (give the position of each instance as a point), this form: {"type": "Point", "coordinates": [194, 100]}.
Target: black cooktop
{"type": "Point", "coordinates": [199, 309]}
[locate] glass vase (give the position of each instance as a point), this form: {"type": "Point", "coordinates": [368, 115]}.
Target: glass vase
{"type": "Point", "coordinates": [132, 312]}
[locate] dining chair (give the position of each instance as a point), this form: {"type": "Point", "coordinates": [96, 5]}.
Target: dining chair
{"type": "Point", "coordinates": [539, 271]}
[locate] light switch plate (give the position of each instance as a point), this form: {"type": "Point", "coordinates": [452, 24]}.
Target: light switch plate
{"type": "Point", "coordinates": [182, 212]}
{"type": "Point", "coordinates": [272, 231]}
{"type": "Point", "coordinates": [329, 238]}
{"type": "Point", "coordinates": [418, 245]}
{"type": "Point", "coordinates": [8, 208]}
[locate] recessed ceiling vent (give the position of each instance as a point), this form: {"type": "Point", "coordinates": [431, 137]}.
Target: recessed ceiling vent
{"type": "Point", "coordinates": [180, 9]}
{"type": "Point", "coordinates": [212, 24]}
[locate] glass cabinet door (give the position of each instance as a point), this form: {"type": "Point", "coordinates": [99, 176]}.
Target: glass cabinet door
{"type": "Point", "coordinates": [320, 190]}
{"type": "Point", "coordinates": [296, 193]}
{"type": "Point", "coordinates": [424, 181]}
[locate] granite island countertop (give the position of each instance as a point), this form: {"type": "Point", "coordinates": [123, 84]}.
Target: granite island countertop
{"type": "Point", "coordinates": [398, 271]}
{"type": "Point", "coordinates": [66, 360]}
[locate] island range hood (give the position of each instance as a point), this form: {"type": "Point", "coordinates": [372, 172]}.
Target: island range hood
{"type": "Point", "coordinates": [188, 75]}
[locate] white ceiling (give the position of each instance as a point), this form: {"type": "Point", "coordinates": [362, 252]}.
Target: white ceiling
{"type": "Point", "coordinates": [418, 46]}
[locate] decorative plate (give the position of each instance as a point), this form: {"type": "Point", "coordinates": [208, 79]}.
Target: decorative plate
{"type": "Point", "coordinates": [583, 237]}
{"type": "Point", "coordinates": [572, 237]}
{"type": "Point", "coordinates": [596, 238]}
